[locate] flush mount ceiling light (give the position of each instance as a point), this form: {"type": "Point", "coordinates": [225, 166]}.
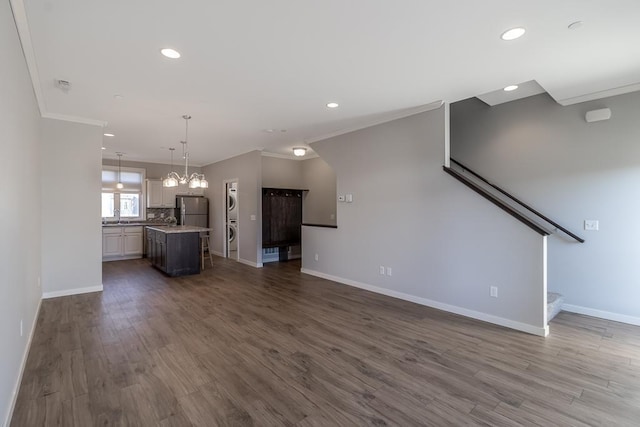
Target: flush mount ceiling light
{"type": "Point", "coordinates": [513, 34]}
{"type": "Point", "coordinates": [510, 88]}
{"type": "Point", "coordinates": [333, 105]}
{"type": "Point", "coordinates": [195, 180]}
{"type": "Point", "coordinates": [170, 53]}
{"type": "Point", "coordinates": [109, 134]}
{"type": "Point", "coordinates": [119, 185]}
{"type": "Point", "coordinates": [299, 151]}
{"type": "Point", "coordinates": [104, 148]}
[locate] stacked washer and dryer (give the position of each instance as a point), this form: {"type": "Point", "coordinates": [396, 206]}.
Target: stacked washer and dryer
{"type": "Point", "coordinates": [232, 217]}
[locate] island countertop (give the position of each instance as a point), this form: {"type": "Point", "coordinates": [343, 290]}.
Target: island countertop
{"type": "Point", "coordinates": [169, 229]}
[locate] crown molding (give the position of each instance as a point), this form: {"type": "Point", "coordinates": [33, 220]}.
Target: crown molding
{"type": "Point", "coordinates": [24, 34]}
{"type": "Point", "coordinates": [74, 119]}
{"type": "Point", "coordinates": [20, 18]}
{"type": "Point", "coordinates": [385, 119]}
{"type": "Point", "coordinates": [309, 155]}
{"type": "Point", "coordinates": [621, 90]}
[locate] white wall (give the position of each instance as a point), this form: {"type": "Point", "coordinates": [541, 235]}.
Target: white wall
{"type": "Point", "coordinates": [570, 170]}
{"type": "Point", "coordinates": [247, 168]}
{"type": "Point", "coordinates": [153, 170]}
{"type": "Point", "coordinates": [20, 225]}
{"type": "Point", "coordinates": [446, 245]}
{"type": "Point", "coordinates": [71, 161]}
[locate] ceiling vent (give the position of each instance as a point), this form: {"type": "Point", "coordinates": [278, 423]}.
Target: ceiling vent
{"type": "Point", "coordinates": [63, 85]}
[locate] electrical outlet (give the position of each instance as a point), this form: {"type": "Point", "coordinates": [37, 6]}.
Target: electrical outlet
{"type": "Point", "coordinates": [21, 332]}
{"type": "Point", "coordinates": [494, 291]}
{"type": "Point", "coordinates": [389, 271]}
{"type": "Point", "coordinates": [382, 270]}
{"type": "Point", "coordinates": [253, 217]}
{"type": "Point", "coordinates": [341, 198]}
{"type": "Point", "coordinates": [316, 257]}
{"type": "Point", "coordinates": [332, 216]}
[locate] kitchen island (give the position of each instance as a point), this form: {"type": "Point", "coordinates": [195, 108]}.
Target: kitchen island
{"type": "Point", "coordinates": [175, 250]}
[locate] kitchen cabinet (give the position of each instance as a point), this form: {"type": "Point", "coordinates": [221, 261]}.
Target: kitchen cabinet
{"type": "Point", "coordinates": [175, 250]}
{"type": "Point", "coordinates": [159, 196]}
{"type": "Point", "coordinates": [121, 243]}
{"type": "Point", "coordinates": [184, 190]}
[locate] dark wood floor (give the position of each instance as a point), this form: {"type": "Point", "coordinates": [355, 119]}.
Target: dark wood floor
{"type": "Point", "coordinates": [244, 346]}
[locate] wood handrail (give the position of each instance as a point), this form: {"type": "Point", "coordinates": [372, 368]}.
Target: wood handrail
{"type": "Point", "coordinates": [524, 205]}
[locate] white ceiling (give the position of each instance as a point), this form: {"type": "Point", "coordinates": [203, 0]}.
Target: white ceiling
{"type": "Point", "coordinates": [252, 65]}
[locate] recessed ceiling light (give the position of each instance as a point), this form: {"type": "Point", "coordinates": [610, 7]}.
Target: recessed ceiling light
{"type": "Point", "coordinates": [109, 134]}
{"type": "Point", "coordinates": [333, 105]}
{"type": "Point", "coordinates": [299, 151]}
{"type": "Point", "coordinates": [575, 25]}
{"type": "Point", "coordinates": [513, 33]}
{"type": "Point", "coordinates": [104, 148]}
{"type": "Point", "coordinates": [170, 53]}
{"type": "Point", "coordinates": [118, 96]}
{"type": "Point", "coordinates": [510, 88]}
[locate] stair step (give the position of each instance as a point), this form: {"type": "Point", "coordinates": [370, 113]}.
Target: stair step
{"type": "Point", "coordinates": [554, 304]}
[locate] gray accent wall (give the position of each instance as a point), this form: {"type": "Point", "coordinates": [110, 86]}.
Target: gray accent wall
{"type": "Point", "coordinates": [446, 245]}
{"type": "Point", "coordinates": [570, 170]}
{"type": "Point", "coordinates": [321, 199]}
{"type": "Point", "coordinates": [71, 222]}
{"type": "Point", "coordinates": [20, 244]}
{"type": "Point", "coordinates": [247, 169]}
{"type": "Point", "coordinates": [315, 175]}
{"type": "Point", "coordinates": [282, 173]}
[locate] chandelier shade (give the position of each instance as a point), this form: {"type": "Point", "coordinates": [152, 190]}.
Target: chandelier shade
{"type": "Point", "coordinates": [195, 180]}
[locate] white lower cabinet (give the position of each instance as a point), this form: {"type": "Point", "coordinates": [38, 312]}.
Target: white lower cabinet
{"type": "Point", "coordinates": [121, 243]}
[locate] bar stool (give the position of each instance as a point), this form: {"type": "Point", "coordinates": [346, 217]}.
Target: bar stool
{"type": "Point", "coordinates": [205, 245]}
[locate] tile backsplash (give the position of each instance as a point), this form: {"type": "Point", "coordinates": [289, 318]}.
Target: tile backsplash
{"type": "Point", "coordinates": [160, 213]}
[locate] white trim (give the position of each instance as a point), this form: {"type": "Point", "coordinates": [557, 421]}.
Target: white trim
{"type": "Point", "coordinates": [216, 253]}
{"type": "Point", "coordinates": [608, 315]}
{"type": "Point", "coordinates": [599, 95]}
{"type": "Point", "coordinates": [251, 263]}
{"type": "Point", "coordinates": [23, 364]}
{"type": "Point", "coordinates": [20, 17]}
{"type": "Point", "coordinates": [74, 119]}
{"type": "Point", "coordinates": [385, 119]}
{"type": "Point", "coordinates": [447, 135]}
{"type": "Point", "coordinates": [76, 291]}
{"type": "Point", "coordinates": [530, 329]}
{"type": "Point", "coordinates": [309, 155]}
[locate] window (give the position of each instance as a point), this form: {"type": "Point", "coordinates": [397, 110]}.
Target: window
{"type": "Point", "coordinates": [125, 203]}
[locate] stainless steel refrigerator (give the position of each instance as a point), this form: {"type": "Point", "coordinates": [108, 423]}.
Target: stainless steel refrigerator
{"type": "Point", "coordinates": [192, 210]}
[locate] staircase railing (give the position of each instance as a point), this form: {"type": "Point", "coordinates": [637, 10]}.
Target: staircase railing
{"type": "Point", "coordinates": [506, 206]}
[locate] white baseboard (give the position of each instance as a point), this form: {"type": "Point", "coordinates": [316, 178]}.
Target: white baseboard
{"type": "Point", "coordinates": [216, 253]}
{"type": "Point", "coordinates": [512, 324]}
{"type": "Point", "coordinates": [607, 315]}
{"type": "Point", "coordinates": [76, 291]}
{"type": "Point", "coordinates": [23, 364]}
{"type": "Point", "coordinates": [251, 263]}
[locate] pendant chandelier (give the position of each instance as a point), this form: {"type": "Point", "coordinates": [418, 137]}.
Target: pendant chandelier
{"type": "Point", "coordinates": [119, 185]}
{"type": "Point", "coordinates": [195, 180]}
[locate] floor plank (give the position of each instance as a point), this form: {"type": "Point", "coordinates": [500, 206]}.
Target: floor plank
{"type": "Point", "coordinates": [242, 346]}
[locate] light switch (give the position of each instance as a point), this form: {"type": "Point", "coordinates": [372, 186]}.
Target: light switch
{"type": "Point", "coordinates": [253, 217]}
{"type": "Point", "coordinates": [349, 198]}
{"type": "Point", "coordinates": [591, 224]}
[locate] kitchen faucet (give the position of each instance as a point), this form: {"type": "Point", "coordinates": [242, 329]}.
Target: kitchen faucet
{"type": "Point", "coordinates": [116, 213]}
